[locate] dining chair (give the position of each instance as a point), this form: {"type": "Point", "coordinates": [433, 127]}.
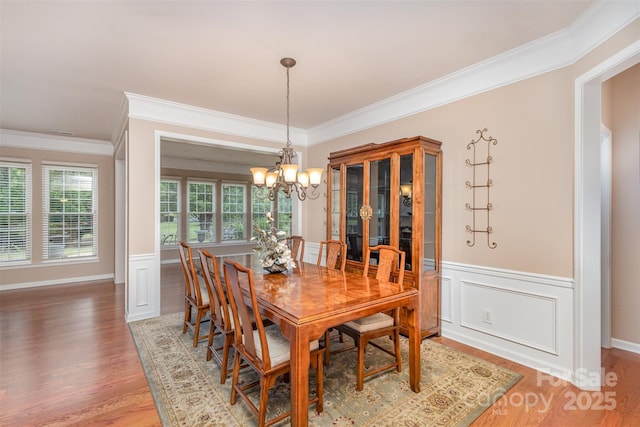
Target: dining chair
{"type": "Point", "coordinates": [335, 258]}
{"type": "Point", "coordinates": [221, 319]}
{"type": "Point", "coordinates": [336, 254]}
{"type": "Point", "coordinates": [194, 296]}
{"type": "Point", "coordinates": [296, 245]}
{"type": "Point", "coordinates": [364, 330]}
{"type": "Point", "coordinates": [265, 349]}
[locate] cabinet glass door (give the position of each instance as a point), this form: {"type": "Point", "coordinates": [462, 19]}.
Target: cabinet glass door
{"type": "Point", "coordinates": [429, 212]}
{"type": "Point", "coordinates": [355, 193]}
{"type": "Point", "coordinates": [335, 203]}
{"type": "Point", "coordinates": [380, 200]}
{"type": "Point", "coordinates": [406, 203]}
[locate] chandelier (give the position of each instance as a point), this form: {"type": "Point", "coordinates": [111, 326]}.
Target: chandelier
{"type": "Point", "coordinates": [284, 175]}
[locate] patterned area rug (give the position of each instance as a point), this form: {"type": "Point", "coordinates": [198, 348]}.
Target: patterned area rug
{"type": "Point", "coordinates": [456, 388]}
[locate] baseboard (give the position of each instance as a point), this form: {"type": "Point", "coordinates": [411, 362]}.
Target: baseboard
{"type": "Point", "coordinates": [62, 281]}
{"type": "Point", "coordinates": [625, 345]}
{"type": "Point", "coordinates": [518, 357]}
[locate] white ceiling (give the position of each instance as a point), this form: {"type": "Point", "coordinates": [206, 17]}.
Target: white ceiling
{"type": "Point", "coordinates": [66, 64]}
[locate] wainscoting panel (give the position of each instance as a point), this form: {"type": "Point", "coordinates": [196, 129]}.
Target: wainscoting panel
{"type": "Point", "coordinates": [446, 308]}
{"type": "Point", "coordinates": [491, 310]}
{"type": "Point", "coordinates": [520, 316]}
{"type": "Point", "coordinates": [143, 288]}
{"type": "Point", "coordinates": [311, 251]}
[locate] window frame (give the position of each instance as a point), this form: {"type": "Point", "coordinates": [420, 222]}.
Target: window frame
{"type": "Point", "coordinates": [47, 244]}
{"type": "Point", "coordinates": [28, 212]}
{"type": "Point", "coordinates": [166, 241]}
{"type": "Point", "coordinates": [183, 185]}
{"type": "Point", "coordinates": [213, 235]}
{"type": "Point", "coordinates": [244, 213]}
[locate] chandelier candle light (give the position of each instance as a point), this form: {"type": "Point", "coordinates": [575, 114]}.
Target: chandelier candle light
{"type": "Point", "coordinates": [285, 174]}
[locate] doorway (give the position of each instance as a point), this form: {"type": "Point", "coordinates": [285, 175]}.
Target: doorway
{"type": "Point", "coordinates": [588, 215]}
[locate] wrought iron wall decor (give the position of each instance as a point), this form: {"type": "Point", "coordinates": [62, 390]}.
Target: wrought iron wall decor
{"type": "Point", "coordinates": [480, 185]}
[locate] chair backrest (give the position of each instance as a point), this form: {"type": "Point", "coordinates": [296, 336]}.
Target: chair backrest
{"type": "Point", "coordinates": [296, 244]}
{"type": "Point", "coordinates": [336, 254]}
{"type": "Point", "coordinates": [192, 286]}
{"type": "Point", "coordinates": [217, 297]}
{"type": "Point", "coordinates": [244, 337]}
{"type": "Point", "coordinates": [390, 262]}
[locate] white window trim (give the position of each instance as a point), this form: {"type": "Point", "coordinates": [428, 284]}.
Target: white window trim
{"type": "Point", "coordinates": [27, 165]}
{"type": "Point", "coordinates": [46, 168]}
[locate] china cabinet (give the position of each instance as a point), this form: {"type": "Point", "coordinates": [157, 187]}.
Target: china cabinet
{"type": "Point", "coordinates": [391, 194]}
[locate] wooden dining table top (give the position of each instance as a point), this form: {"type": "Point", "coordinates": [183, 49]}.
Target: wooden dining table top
{"type": "Point", "coordinates": [308, 300]}
{"type": "Point", "coordinates": [309, 292]}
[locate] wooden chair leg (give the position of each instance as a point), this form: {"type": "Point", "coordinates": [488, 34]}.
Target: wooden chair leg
{"type": "Point", "coordinates": [320, 380]}
{"type": "Point", "coordinates": [264, 397]}
{"type": "Point", "coordinates": [187, 317]}
{"type": "Point", "coordinates": [225, 358]}
{"type": "Point", "coordinates": [396, 336]}
{"type": "Point", "coordinates": [236, 375]}
{"type": "Point", "coordinates": [360, 370]}
{"type": "Point", "coordinates": [327, 340]}
{"type": "Point", "coordinates": [212, 331]}
{"type": "Point", "coordinates": [196, 332]}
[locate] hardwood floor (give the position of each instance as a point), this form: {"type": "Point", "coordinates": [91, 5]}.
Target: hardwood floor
{"type": "Point", "coordinates": [67, 358]}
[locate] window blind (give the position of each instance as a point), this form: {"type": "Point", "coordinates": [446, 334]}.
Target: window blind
{"type": "Point", "coordinates": [15, 212]}
{"type": "Point", "coordinates": [70, 212]}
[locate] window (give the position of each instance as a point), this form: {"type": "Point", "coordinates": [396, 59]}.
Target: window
{"type": "Point", "coordinates": [15, 212]}
{"type": "Point", "coordinates": [70, 212]}
{"type": "Point", "coordinates": [259, 209]}
{"type": "Point", "coordinates": [216, 211]}
{"type": "Point", "coordinates": [169, 212]}
{"type": "Point", "coordinates": [285, 213]}
{"type": "Point", "coordinates": [282, 213]}
{"type": "Point", "coordinates": [233, 211]}
{"type": "Point", "coordinates": [201, 212]}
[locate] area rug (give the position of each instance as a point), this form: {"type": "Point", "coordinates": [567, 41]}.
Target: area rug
{"type": "Point", "coordinates": [455, 387]}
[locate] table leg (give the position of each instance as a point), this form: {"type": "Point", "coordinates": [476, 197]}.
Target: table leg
{"type": "Point", "coordinates": [299, 342]}
{"type": "Point", "coordinates": [414, 348]}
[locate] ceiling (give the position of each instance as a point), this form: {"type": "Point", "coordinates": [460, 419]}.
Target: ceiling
{"type": "Point", "coordinates": [66, 64]}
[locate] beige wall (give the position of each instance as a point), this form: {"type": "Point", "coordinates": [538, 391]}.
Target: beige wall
{"type": "Point", "coordinates": [533, 175]}
{"type": "Point", "coordinates": [625, 210]}
{"type": "Point", "coordinates": [38, 271]}
{"type": "Point", "coordinates": [532, 172]}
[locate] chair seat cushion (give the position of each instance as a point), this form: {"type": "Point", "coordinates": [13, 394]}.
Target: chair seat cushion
{"type": "Point", "coordinates": [278, 345]}
{"type": "Point", "coordinates": [371, 323]}
{"type": "Point", "coordinates": [203, 291]}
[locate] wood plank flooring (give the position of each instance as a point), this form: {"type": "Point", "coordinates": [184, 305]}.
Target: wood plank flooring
{"type": "Point", "coordinates": [67, 358]}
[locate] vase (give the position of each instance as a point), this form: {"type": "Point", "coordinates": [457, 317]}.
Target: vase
{"type": "Point", "coordinates": [275, 269]}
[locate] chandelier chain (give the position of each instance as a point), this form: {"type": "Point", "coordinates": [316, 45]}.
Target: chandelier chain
{"type": "Point", "coordinates": [288, 108]}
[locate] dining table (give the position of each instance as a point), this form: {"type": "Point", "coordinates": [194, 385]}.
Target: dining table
{"type": "Point", "coordinates": [309, 299]}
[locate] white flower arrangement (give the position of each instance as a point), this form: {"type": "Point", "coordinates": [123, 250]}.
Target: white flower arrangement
{"type": "Point", "coordinates": [272, 250]}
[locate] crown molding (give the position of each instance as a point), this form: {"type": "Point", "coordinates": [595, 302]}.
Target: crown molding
{"type": "Point", "coordinates": [557, 50]}
{"type": "Point", "coordinates": [174, 113]}
{"type": "Point", "coordinates": [121, 123]}
{"type": "Point", "coordinates": [43, 141]}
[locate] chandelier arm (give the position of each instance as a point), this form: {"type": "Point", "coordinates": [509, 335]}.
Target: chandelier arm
{"type": "Point", "coordinates": [314, 194]}
{"type": "Point", "coordinates": [262, 193]}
